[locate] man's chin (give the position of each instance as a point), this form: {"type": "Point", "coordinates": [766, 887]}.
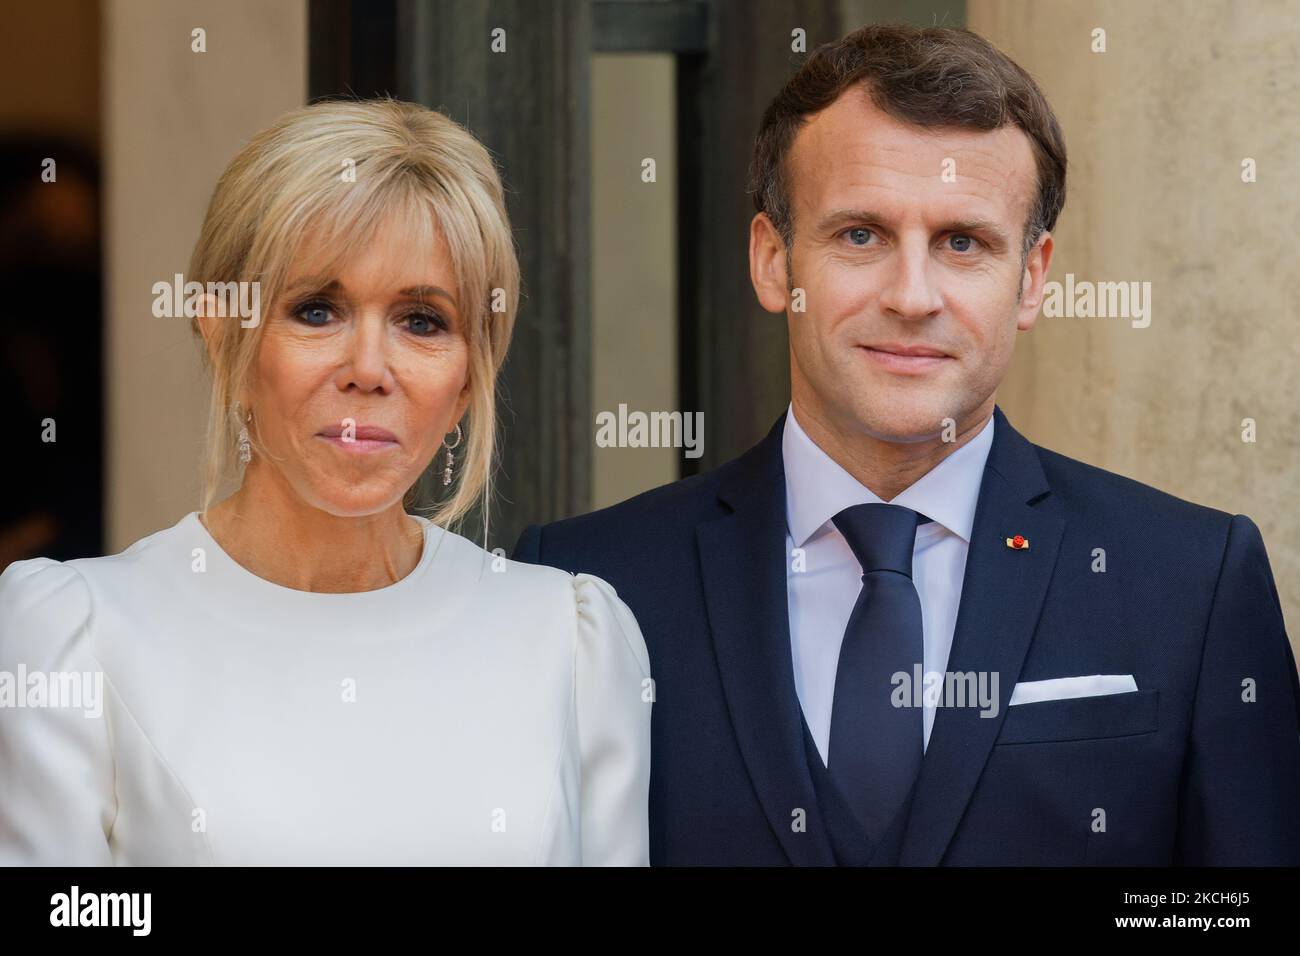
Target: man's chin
{"type": "Point", "coordinates": [907, 422]}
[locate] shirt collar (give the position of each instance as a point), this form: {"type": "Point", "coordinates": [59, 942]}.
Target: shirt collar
{"type": "Point", "coordinates": [817, 488]}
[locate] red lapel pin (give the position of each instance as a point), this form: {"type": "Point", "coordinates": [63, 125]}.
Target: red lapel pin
{"type": "Point", "coordinates": [1018, 543]}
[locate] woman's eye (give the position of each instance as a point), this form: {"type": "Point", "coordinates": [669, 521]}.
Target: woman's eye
{"type": "Point", "coordinates": [314, 314]}
{"type": "Point", "coordinates": [963, 241]}
{"type": "Point", "coordinates": [425, 323]}
{"type": "Point", "coordinates": [858, 235]}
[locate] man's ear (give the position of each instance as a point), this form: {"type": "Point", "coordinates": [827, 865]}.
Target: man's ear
{"type": "Point", "coordinates": [767, 269]}
{"type": "Point", "coordinates": [1032, 281]}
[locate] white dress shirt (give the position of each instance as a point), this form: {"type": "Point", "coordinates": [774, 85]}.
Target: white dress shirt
{"type": "Point", "coordinates": [478, 711]}
{"type": "Point", "coordinates": [822, 595]}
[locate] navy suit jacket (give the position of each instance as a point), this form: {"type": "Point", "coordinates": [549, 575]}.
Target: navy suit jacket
{"type": "Point", "coordinates": [1189, 769]}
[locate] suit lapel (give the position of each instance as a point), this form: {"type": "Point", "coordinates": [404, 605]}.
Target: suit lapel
{"type": "Point", "coordinates": [1001, 599]}
{"type": "Point", "coordinates": [742, 560]}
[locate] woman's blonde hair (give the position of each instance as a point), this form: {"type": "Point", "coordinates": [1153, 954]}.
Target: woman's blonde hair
{"type": "Point", "coordinates": [334, 171]}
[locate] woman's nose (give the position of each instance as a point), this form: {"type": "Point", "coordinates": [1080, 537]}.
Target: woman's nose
{"type": "Point", "coordinates": [366, 365]}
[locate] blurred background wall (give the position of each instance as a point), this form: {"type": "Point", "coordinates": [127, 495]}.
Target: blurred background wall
{"type": "Point", "coordinates": [633, 262]}
{"type": "Point", "coordinates": [51, 331]}
{"type": "Point", "coordinates": [173, 118]}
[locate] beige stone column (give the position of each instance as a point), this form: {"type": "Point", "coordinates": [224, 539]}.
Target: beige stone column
{"type": "Point", "coordinates": [633, 272]}
{"type": "Point", "coordinates": [1158, 128]}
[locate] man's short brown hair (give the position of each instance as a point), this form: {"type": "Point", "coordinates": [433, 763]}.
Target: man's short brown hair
{"type": "Point", "coordinates": [928, 76]}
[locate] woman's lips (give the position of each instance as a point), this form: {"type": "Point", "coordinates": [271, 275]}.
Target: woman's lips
{"type": "Point", "coordinates": [909, 360]}
{"type": "Point", "coordinates": [360, 439]}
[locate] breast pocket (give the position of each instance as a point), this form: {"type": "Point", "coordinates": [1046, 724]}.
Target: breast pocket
{"type": "Point", "coordinates": [1081, 718]}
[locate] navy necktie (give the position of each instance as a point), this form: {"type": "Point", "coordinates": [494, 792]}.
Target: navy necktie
{"type": "Point", "coordinates": [876, 748]}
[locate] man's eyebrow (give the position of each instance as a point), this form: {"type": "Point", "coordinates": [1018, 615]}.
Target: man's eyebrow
{"type": "Point", "coordinates": [843, 217]}
{"type": "Point", "coordinates": [986, 226]}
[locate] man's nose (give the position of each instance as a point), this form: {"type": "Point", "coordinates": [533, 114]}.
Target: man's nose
{"type": "Point", "coordinates": [910, 291]}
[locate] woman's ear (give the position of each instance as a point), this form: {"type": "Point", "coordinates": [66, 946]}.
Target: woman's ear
{"type": "Point", "coordinates": [462, 403]}
{"type": "Point", "coordinates": [209, 320]}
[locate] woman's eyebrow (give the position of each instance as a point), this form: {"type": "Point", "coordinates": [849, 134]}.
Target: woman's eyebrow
{"type": "Point", "coordinates": [327, 286]}
{"type": "Point", "coordinates": [321, 284]}
{"type": "Point", "coordinates": [426, 291]}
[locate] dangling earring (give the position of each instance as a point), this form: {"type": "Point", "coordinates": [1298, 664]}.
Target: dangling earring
{"type": "Point", "coordinates": [451, 459]}
{"type": "Point", "coordinates": [245, 446]}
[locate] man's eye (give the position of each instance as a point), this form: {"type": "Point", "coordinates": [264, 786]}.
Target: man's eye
{"type": "Point", "coordinates": [963, 243]}
{"type": "Point", "coordinates": [858, 235]}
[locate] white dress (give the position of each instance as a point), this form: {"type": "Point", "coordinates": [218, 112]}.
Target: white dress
{"type": "Point", "coordinates": [479, 711]}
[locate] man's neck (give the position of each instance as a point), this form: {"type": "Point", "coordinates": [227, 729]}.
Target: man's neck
{"type": "Point", "coordinates": [885, 468]}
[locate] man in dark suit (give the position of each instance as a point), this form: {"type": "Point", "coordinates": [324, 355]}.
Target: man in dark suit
{"type": "Point", "coordinates": [895, 631]}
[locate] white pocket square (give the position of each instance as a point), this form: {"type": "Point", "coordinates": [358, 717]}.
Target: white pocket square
{"type": "Point", "coordinates": [1060, 688]}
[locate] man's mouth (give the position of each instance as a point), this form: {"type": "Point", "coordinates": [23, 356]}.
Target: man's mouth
{"type": "Point", "coordinates": [906, 359]}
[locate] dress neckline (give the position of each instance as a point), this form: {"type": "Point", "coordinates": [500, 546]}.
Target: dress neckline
{"type": "Point", "coordinates": [433, 536]}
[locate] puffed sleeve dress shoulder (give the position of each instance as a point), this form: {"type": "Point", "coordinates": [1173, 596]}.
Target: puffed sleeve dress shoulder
{"type": "Point", "coordinates": [57, 800]}
{"type": "Point", "coordinates": [165, 706]}
{"type": "Point", "coordinates": [613, 694]}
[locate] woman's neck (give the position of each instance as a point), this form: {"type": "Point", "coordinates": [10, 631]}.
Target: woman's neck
{"type": "Point", "coordinates": [271, 532]}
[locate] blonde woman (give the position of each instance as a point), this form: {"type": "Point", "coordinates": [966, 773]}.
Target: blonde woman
{"type": "Point", "coordinates": [304, 673]}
